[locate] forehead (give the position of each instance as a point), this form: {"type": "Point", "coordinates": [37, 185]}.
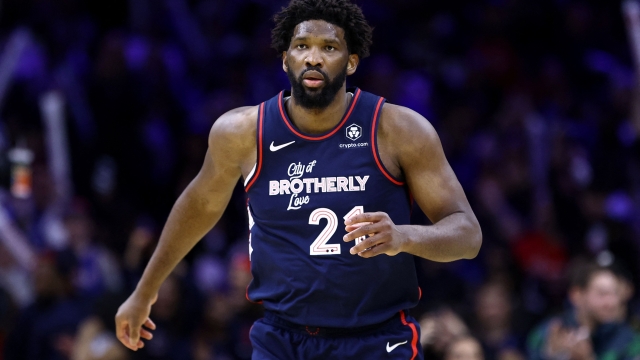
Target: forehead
{"type": "Point", "coordinates": [318, 28]}
{"type": "Point", "coordinates": [603, 280]}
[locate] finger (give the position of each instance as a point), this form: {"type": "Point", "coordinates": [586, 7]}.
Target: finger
{"type": "Point", "coordinates": [150, 324]}
{"type": "Point", "coordinates": [135, 347]}
{"type": "Point", "coordinates": [364, 230]}
{"type": "Point", "coordinates": [366, 244]}
{"type": "Point", "coordinates": [146, 334]}
{"type": "Point", "coordinates": [123, 335]}
{"type": "Point", "coordinates": [134, 335]}
{"type": "Point", "coordinates": [582, 334]}
{"type": "Point", "coordinates": [366, 217]}
{"type": "Point", "coordinates": [124, 339]}
{"type": "Point", "coordinates": [375, 251]}
{"type": "Point", "coordinates": [352, 227]}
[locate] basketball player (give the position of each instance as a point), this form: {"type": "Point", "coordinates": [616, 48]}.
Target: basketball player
{"type": "Point", "coordinates": [312, 159]}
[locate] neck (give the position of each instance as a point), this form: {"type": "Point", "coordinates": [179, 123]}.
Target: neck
{"type": "Point", "coordinates": [317, 121]}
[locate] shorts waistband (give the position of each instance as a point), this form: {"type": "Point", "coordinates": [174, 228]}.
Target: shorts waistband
{"type": "Point", "coordinates": [328, 331]}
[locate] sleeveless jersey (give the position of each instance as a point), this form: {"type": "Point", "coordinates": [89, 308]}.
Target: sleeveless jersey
{"type": "Point", "coordinates": [299, 194]}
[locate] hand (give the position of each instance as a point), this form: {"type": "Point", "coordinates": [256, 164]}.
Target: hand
{"type": "Point", "coordinates": [384, 235]}
{"type": "Point", "coordinates": [558, 341]}
{"type": "Point", "coordinates": [582, 348]}
{"type": "Point", "coordinates": [131, 316]}
{"type": "Point", "coordinates": [569, 343]}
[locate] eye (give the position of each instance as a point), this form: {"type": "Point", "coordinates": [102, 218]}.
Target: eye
{"type": "Point", "coordinates": [330, 48]}
{"type": "Point", "coordinates": [301, 46]}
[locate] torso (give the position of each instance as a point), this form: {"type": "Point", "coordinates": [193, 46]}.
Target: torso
{"type": "Point", "coordinates": [300, 187]}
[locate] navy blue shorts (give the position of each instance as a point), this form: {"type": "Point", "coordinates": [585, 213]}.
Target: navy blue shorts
{"type": "Point", "coordinates": [276, 339]}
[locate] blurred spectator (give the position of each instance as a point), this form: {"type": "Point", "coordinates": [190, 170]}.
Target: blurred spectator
{"type": "Point", "coordinates": [95, 338]}
{"type": "Point", "coordinates": [174, 315]}
{"type": "Point", "coordinates": [438, 330]}
{"type": "Point", "coordinates": [45, 330]}
{"type": "Point", "coordinates": [228, 317]}
{"type": "Point", "coordinates": [592, 327]}
{"type": "Point", "coordinates": [97, 272]}
{"type": "Point", "coordinates": [138, 250]}
{"type": "Point", "coordinates": [7, 311]}
{"type": "Point", "coordinates": [14, 279]}
{"type": "Point", "coordinates": [494, 321]}
{"type": "Point", "coordinates": [464, 348]}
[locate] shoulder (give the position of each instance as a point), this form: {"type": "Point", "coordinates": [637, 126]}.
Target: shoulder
{"type": "Point", "coordinates": [235, 126]}
{"type": "Point", "coordinates": [404, 121]}
{"type": "Point", "coordinates": [405, 132]}
{"type": "Point", "coordinates": [236, 122]}
{"type": "Point", "coordinates": [633, 346]}
{"type": "Point", "coordinates": [234, 133]}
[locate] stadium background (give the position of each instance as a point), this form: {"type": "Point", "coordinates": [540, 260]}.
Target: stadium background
{"type": "Point", "coordinates": [533, 101]}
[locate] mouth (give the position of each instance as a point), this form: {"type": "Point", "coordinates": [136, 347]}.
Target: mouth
{"type": "Point", "coordinates": [313, 79]}
{"type": "Point", "coordinates": [313, 83]}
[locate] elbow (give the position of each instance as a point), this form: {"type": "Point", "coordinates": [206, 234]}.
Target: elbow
{"type": "Point", "coordinates": [474, 240]}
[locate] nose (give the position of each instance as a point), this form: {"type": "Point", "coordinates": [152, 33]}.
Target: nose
{"type": "Point", "coordinates": [314, 58]}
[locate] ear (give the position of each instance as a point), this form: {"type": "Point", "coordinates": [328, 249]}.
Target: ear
{"type": "Point", "coordinates": [352, 65]}
{"type": "Point", "coordinates": [285, 67]}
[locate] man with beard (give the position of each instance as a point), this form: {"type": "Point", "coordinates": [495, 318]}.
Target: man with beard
{"type": "Point", "coordinates": [311, 158]}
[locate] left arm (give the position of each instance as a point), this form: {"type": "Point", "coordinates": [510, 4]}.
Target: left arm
{"type": "Point", "coordinates": [412, 148]}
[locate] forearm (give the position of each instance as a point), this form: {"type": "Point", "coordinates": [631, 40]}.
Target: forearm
{"type": "Point", "coordinates": [190, 219]}
{"type": "Point", "coordinates": [454, 237]}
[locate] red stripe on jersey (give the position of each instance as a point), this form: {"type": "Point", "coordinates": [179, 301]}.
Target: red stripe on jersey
{"type": "Point", "coordinates": [259, 162]}
{"type": "Point", "coordinates": [374, 147]}
{"type": "Point", "coordinates": [414, 339]}
{"type": "Point", "coordinates": [356, 96]}
{"type": "Point", "coordinates": [246, 294]}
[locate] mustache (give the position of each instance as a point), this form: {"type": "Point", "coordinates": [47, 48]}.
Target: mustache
{"type": "Point", "coordinates": [314, 68]}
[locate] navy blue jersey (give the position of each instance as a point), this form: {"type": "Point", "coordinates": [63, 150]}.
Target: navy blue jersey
{"type": "Point", "coordinates": [300, 192]}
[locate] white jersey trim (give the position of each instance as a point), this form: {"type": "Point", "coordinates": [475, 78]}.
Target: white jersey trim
{"type": "Point", "coordinates": [246, 181]}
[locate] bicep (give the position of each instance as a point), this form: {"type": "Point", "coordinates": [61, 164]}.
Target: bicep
{"type": "Point", "coordinates": [429, 176]}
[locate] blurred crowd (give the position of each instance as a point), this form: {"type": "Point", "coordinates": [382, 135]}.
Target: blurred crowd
{"type": "Point", "coordinates": [105, 108]}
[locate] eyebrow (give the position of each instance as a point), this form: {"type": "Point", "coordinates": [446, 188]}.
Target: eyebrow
{"type": "Point", "coordinates": [326, 41]}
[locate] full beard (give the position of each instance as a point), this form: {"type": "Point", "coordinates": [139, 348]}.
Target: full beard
{"type": "Point", "coordinates": [316, 99]}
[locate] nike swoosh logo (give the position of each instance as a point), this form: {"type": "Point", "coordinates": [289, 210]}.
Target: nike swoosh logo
{"type": "Point", "coordinates": [391, 348]}
{"type": "Point", "coordinates": [276, 148]}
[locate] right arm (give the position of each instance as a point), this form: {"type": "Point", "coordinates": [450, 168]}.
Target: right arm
{"type": "Point", "coordinates": [232, 148]}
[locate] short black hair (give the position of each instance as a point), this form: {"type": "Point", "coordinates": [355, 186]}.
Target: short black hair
{"type": "Point", "coordinates": [342, 13]}
{"type": "Point", "coordinates": [581, 274]}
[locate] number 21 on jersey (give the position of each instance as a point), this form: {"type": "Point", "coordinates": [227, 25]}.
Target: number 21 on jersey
{"type": "Point", "coordinates": [319, 246]}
